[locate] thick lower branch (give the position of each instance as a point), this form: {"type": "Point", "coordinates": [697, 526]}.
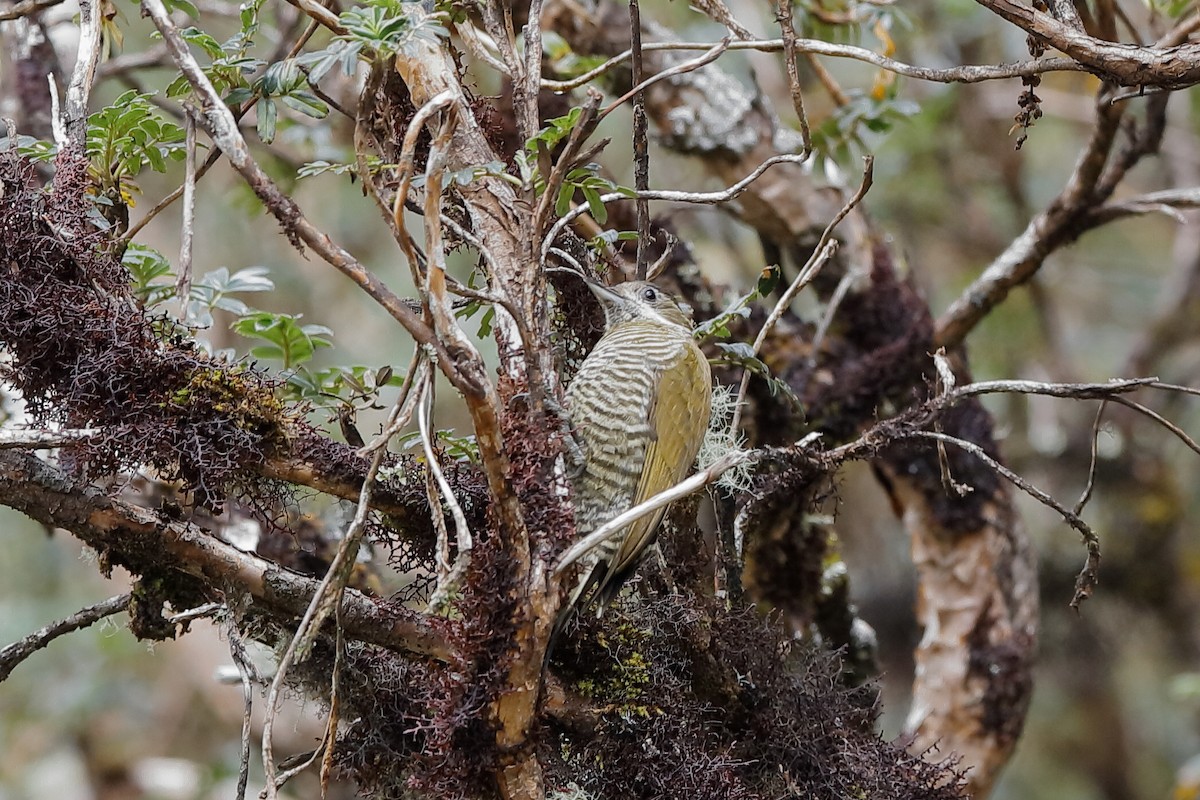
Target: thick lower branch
{"type": "Point", "coordinates": [142, 540]}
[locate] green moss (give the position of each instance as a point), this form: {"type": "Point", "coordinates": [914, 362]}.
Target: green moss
{"type": "Point", "coordinates": [234, 393]}
{"type": "Point", "coordinates": [621, 683]}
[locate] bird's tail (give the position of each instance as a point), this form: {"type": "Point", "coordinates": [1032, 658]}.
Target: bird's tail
{"type": "Point", "coordinates": [581, 597]}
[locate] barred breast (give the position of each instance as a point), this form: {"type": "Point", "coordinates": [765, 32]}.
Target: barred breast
{"type": "Point", "coordinates": [610, 401]}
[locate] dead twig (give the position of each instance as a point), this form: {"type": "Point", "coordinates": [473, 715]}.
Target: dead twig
{"type": "Point", "coordinates": [966, 73]}
{"type": "Point", "coordinates": [320, 14]}
{"type": "Point", "coordinates": [1085, 583]}
{"type": "Point", "coordinates": [26, 8]}
{"type": "Point", "coordinates": [783, 15]}
{"type": "Point", "coordinates": [449, 575]}
{"type": "Point", "coordinates": [1091, 480]}
{"type": "Point", "coordinates": [249, 676]}
{"type": "Point", "coordinates": [183, 286]}
{"type": "Point", "coordinates": [327, 597]}
{"type": "Point", "coordinates": [70, 130]}
{"type": "Point", "coordinates": [1051, 228]}
{"type": "Point", "coordinates": [702, 198]}
{"type": "Point", "coordinates": [709, 56]}
{"type": "Point", "coordinates": [38, 440]}
{"type": "Point", "coordinates": [822, 253]}
{"type": "Point", "coordinates": [641, 148]}
{"type": "Point", "coordinates": [405, 169]}
{"type": "Point", "coordinates": [15, 653]}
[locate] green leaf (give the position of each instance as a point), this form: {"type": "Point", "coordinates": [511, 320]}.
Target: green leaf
{"type": "Point", "coordinates": [287, 340]}
{"type": "Point", "coordinates": [556, 130]}
{"type": "Point", "coordinates": [182, 5]}
{"type": "Point", "coordinates": [768, 279]}
{"type": "Point", "coordinates": [238, 95]}
{"type": "Point", "coordinates": [486, 321]}
{"type": "Point", "coordinates": [740, 351]}
{"type": "Point", "coordinates": [595, 207]}
{"type": "Point", "coordinates": [153, 277]}
{"type": "Point", "coordinates": [314, 168]}
{"type": "Point", "coordinates": [267, 117]}
{"type": "Point", "coordinates": [214, 289]}
{"type": "Point", "coordinates": [124, 138]}
{"type": "Point", "coordinates": [203, 40]}
{"type": "Point", "coordinates": [562, 203]}
{"type": "Point", "coordinates": [340, 53]}
{"type": "Point", "coordinates": [306, 103]}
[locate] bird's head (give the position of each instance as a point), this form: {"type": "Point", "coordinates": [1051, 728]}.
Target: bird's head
{"type": "Point", "coordinates": [641, 300]}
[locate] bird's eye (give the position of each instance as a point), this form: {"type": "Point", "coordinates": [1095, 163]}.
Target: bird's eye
{"type": "Point", "coordinates": [649, 295]}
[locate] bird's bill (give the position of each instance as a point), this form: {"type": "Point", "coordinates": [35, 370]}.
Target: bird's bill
{"type": "Point", "coordinates": [605, 295]}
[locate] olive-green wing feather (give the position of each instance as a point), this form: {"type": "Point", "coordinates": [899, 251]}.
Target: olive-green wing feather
{"type": "Point", "coordinates": [679, 419]}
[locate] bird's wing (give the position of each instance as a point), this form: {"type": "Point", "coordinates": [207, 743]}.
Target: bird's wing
{"type": "Point", "coordinates": [678, 425]}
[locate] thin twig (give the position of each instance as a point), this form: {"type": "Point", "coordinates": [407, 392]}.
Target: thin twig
{"type": "Point", "coordinates": [584, 127]}
{"type": "Point", "coordinates": [249, 676]}
{"type": "Point", "coordinates": [326, 598]}
{"type": "Point", "coordinates": [641, 148]}
{"type": "Point", "coordinates": [405, 169]}
{"type": "Point", "coordinates": [835, 301]}
{"type": "Point", "coordinates": [525, 85]}
{"type": "Point", "coordinates": [38, 440]}
{"type": "Point", "coordinates": [199, 612]}
{"type": "Point", "coordinates": [783, 14]}
{"type": "Point", "coordinates": [703, 198]}
{"type": "Point", "coordinates": [448, 574]}
{"type": "Point", "coordinates": [26, 8]}
{"type": "Point", "coordinates": [1085, 583]}
{"type": "Point", "coordinates": [431, 487]}
{"type": "Point", "coordinates": [183, 285]}
{"type": "Point", "coordinates": [309, 759]}
{"type": "Point", "coordinates": [1049, 229]}
{"type": "Point", "coordinates": [402, 410]}
{"type": "Point", "coordinates": [822, 253]}
{"type": "Point", "coordinates": [1152, 202]}
{"type": "Point", "coordinates": [15, 653]}
{"type": "Point", "coordinates": [1091, 480]}
{"type": "Point", "coordinates": [966, 73]}
{"type": "Point", "coordinates": [335, 704]}
{"type": "Point", "coordinates": [709, 56]}
{"type": "Point", "coordinates": [321, 14]}
{"type": "Point", "coordinates": [946, 381]}
{"type": "Point", "coordinates": [499, 29]}
{"type": "Point", "coordinates": [215, 155]}
{"type": "Point", "coordinates": [836, 93]}
{"type": "Point", "coordinates": [1074, 391]}
{"type": "Point", "coordinates": [1161, 420]}
{"type": "Point", "coordinates": [664, 498]}
{"type": "Point", "coordinates": [473, 38]}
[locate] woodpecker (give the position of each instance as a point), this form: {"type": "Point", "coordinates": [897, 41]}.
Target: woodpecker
{"type": "Point", "coordinates": [639, 405]}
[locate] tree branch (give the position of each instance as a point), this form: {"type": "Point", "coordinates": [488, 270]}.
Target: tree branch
{"type": "Point", "coordinates": [1171, 67]}
{"type": "Point", "coordinates": [145, 541]}
{"type": "Point", "coordinates": [218, 122]}
{"type": "Point", "coordinates": [12, 655]}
